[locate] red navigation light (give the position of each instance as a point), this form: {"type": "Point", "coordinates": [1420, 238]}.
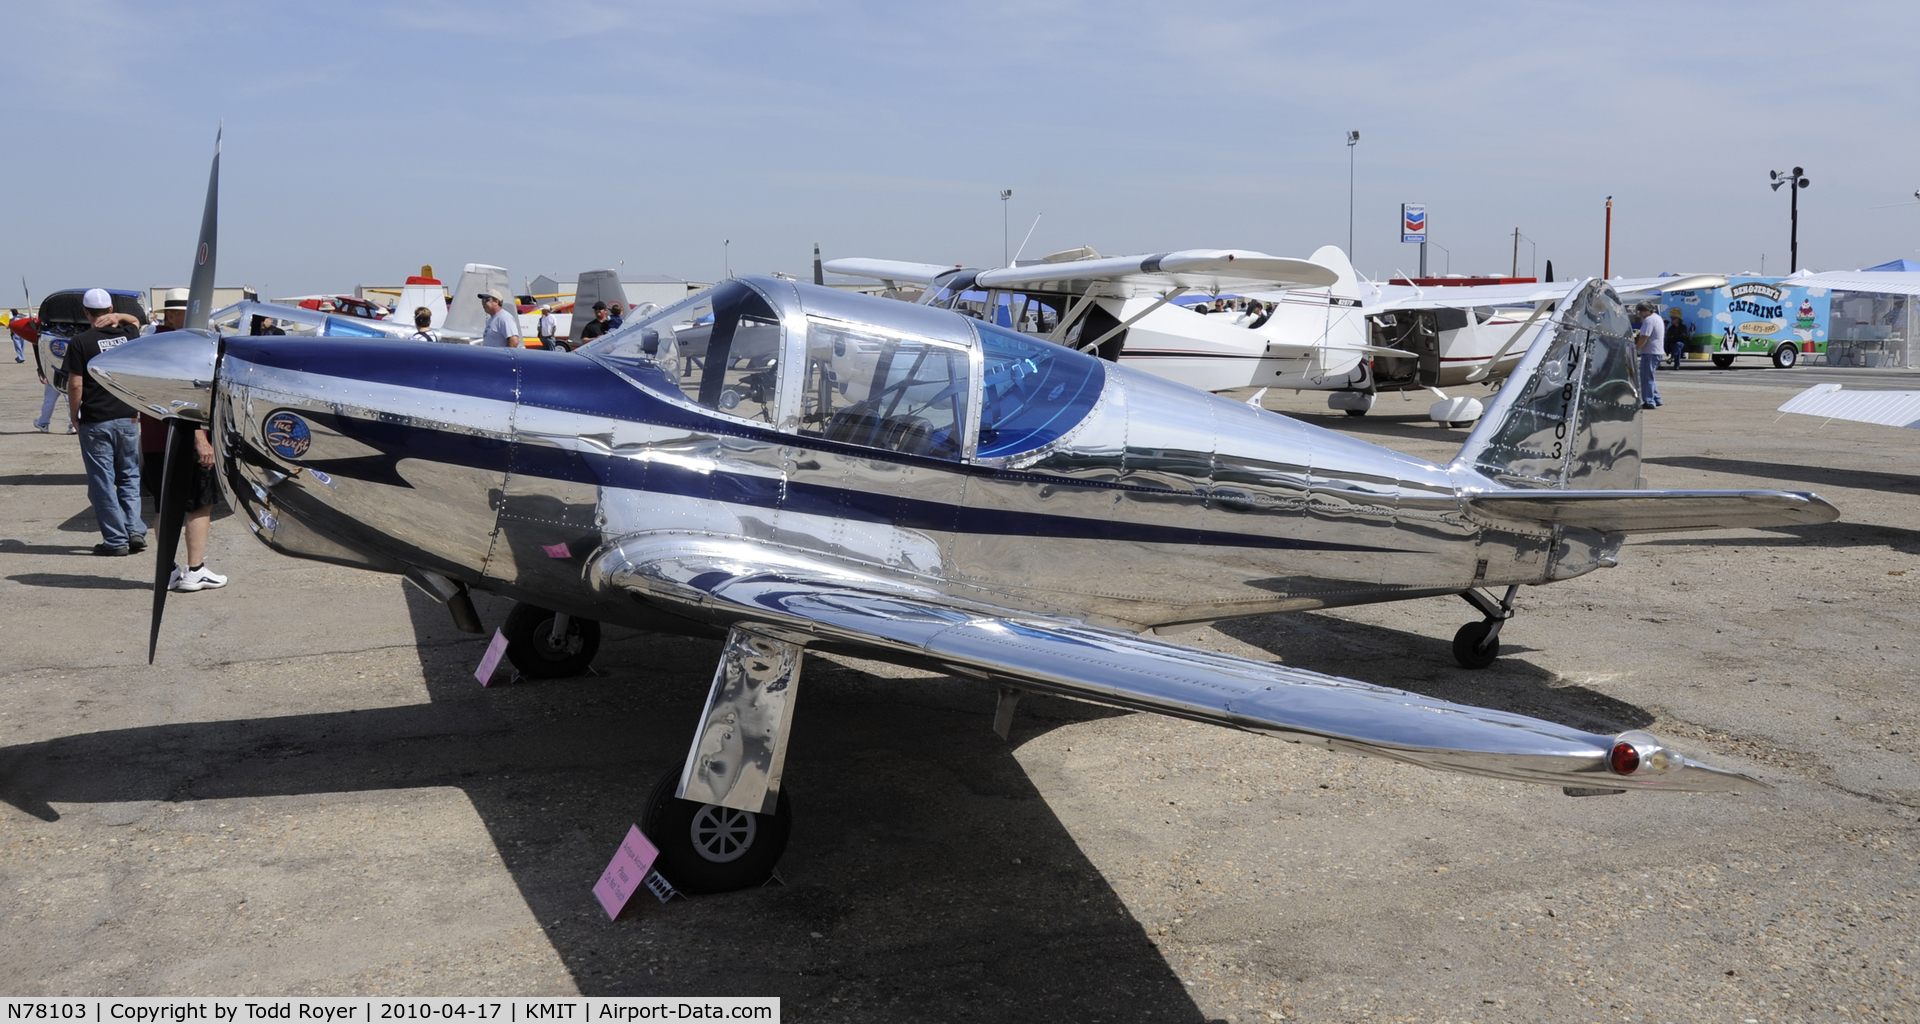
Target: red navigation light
{"type": "Point", "coordinates": [1624, 759]}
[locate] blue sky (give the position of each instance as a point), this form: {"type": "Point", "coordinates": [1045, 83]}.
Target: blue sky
{"type": "Point", "coordinates": [364, 139]}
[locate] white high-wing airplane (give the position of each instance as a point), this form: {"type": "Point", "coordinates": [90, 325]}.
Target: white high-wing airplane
{"type": "Point", "coordinates": [1319, 332]}
{"type": "Point", "coordinates": [1122, 308]}
{"type": "Point", "coordinates": [1470, 334]}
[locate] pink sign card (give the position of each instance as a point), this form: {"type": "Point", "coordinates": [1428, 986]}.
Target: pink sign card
{"type": "Point", "coordinates": [492, 659]}
{"type": "Point", "coordinates": [559, 550]}
{"type": "Point", "coordinates": [625, 873]}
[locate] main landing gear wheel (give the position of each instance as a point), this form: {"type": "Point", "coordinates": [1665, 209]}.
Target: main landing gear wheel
{"type": "Point", "coordinates": [708, 848]}
{"type": "Point", "coordinates": [538, 653]}
{"type": "Point", "coordinates": [1785, 356]}
{"type": "Point", "coordinates": [1472, 649]}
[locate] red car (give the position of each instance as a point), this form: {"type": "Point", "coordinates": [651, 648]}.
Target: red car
{"type": "Point", "coordinates": [347, 305]}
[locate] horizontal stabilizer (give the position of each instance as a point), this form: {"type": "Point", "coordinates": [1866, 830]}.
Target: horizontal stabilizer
{"type": "Point", "coordinates": [1886, 408]}
{"type": "Point", "coordinates": [805, 601]}
{"type": "Point", "coordinates": [1656, 511]}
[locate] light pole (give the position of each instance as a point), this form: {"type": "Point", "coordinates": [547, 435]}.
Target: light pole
{"type": "Point", "coordinates": [1353, 139]}
{"type": "Point", "coordinates": [1793, 180]}
{"type": "Point", "coordinates": [1006, 248]}
{"type": "Point", "coordinates": [726, 256]}
{"type": "Point", "coordinates": [1449, 253]}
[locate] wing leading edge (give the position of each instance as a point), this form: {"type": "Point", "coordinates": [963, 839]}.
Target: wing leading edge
{"type": "Point", "coordinates": [811, 601]}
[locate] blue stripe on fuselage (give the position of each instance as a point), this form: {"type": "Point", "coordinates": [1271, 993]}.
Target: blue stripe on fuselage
{"type": "Point", "coordinates": [582, 386]}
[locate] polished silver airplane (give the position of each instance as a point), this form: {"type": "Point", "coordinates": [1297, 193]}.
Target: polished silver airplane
{"type": "Point", "coordinates": [795, 468]}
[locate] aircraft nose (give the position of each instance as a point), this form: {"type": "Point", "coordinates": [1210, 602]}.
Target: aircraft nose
{"type": "Point", "coordinates": [166, 375]}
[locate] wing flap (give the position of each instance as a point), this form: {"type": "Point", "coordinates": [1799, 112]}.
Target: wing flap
{"type": "Point", "coordinates": [817, 601]}
{"type": "Point", "coordinates": [1656, 511]}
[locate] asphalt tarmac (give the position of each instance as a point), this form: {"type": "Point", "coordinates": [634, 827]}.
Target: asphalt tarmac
{"type": "Point", "coordinates": [309, 794]}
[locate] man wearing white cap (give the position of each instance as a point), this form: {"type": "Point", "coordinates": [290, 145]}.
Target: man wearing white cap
{"type": "Point", "coordinates": [109, 437]}
{"type": "Point", "coordinates": [503, 328]}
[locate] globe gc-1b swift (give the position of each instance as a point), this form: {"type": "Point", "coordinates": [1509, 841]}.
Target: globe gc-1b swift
{"type": "Point", "coordinates": [791, 468]}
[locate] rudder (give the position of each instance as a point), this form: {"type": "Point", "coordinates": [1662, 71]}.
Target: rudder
{"type": "Point", "coordinates": [1569, 416]}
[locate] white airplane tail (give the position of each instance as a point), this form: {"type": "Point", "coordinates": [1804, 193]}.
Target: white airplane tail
{"type": "Point", "coordinates": [464, 314]}
{"type": "Point", "coordinates": [418, 292]}
{"type": "Point", "coordinates": [1330, 256]}
{"type": "Point", "coordinates": [594, 286]}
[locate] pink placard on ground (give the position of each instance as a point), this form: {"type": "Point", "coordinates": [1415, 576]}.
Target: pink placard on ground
{"type": "Point", "coordinates": [492, 659]}
{"type": "Point", "coordinates": [557, 550]}
{"type": "Point", "coordinates": [625, 873]}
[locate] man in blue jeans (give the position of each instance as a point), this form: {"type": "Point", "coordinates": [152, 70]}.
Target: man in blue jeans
{"type": "Point", "coordinates": [109, 433]}
{"type": "Point", "coordinates": [1653, 351]}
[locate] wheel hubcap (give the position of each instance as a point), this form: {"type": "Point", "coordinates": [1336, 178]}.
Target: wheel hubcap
{"type": "Point", "coordinates": [568, 645]}
{"type": "Point", "coordinates": [721, 834]}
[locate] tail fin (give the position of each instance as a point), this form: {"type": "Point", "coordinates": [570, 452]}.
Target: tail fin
{"type": "Point", "coordinates": [594, 286]}
{"type": "Point", "coordinates": [1569, 416]}
{"type": "Point", "coordinates": [464, 313]}
{"type": "Point", "coordinates": [1330, 256]}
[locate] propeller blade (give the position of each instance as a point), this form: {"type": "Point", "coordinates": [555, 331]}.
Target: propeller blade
{"type": "Point", "coordinates": [174, 480]}
{"type": "Point", "coordinates": [200, 290]}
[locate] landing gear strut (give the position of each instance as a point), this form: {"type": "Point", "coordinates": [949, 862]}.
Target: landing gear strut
{"type": "Point", "coordinates": [1477, 644]}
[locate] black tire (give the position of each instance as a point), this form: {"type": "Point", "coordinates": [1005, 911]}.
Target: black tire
{"type": "Point", "coordinates": [1356, 412]}
{"type": "Point", "coordinates": [1460, 424]}
{"type": "Point", "coordinates": [1785, 356]}
{"type": "Point", "coordinates": [529, 633]}
{"type": "Point", "coordinates": [1723, 360]}
{"type": "Point", "coordinates": [1466, 645]}
{"type": "Point", "coordinates": [705, 848]}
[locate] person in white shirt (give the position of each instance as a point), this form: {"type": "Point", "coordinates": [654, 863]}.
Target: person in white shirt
{"type": "Point", "coordinates": [546, 328]}
{"type": "Point", "coordinates": [503, 328]}
{"type": "Point", "coordinates": [1652, 351]}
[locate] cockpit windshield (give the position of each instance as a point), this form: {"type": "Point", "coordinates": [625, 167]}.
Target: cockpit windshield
{"type": "Point", "coordinates": [1032, 392]}
{"type": "Point", "coordinates": [953, 290]}
{"type": "Point", "coordinates": [720, 348]}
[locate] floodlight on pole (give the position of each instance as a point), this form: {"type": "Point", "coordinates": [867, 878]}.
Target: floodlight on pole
{"type": "Point", "coordinates": [1794, 182]}
{"type": "Point", "coordinates": [1353, 139]}
{"type": "Point", "coordinates": [1006, 242]}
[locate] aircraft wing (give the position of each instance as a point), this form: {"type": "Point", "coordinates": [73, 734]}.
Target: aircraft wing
{"type": "Point", "coordinates": [1201, 270]}
{"type": "Point", "coordinates": [1433, 297]}
{"type": "Point", "coordinates": [814, 602]}
{"type": "Point", "coordinates": [1656, 511]}
{"type": "Point", "coordinates": [1884, 282]}
{"type": "Point", "coordinates": [886, 270]}
{"type": "Point", "coordinates": [1887, 408]}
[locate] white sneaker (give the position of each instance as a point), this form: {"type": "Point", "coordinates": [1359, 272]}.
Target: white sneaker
{"type": "Point", "coordinates": [41, 427]}
{"type": "Point", "coordinates": [190, 580]}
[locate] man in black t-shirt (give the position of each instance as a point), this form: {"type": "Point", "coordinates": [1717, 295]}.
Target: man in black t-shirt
{"type": "Point", "coordinates": [596, 326]}
{"type": "Point", "coordinates": [109, 437]}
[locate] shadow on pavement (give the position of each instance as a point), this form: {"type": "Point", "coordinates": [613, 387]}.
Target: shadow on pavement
{"type": "Point", "coordinates": [61, 579]}
{"type": "Point", "coordinates": [1425, 665]}
{"type": "Point", "coordinates": [45, 480]}
{"type": "Point", "coordinates": [1859, 478]}
{"type": "Point", "coordinates": [938, 881]}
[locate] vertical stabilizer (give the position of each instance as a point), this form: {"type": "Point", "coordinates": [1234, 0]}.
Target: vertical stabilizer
{"type": "Point", "coordinates": [594, 286]}
{"type": "Point", "coordinates": [464, 314]}
{"type": "Point", "coordinates": [1569, 416]}
{"type": "Point", "coordinates": [1330, 256]}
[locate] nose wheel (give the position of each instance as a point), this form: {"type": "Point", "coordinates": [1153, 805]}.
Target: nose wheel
{"type": "Point", "coordinates": [708, 848]}
{"type": "Point", "coordinates": [1477, 644]}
